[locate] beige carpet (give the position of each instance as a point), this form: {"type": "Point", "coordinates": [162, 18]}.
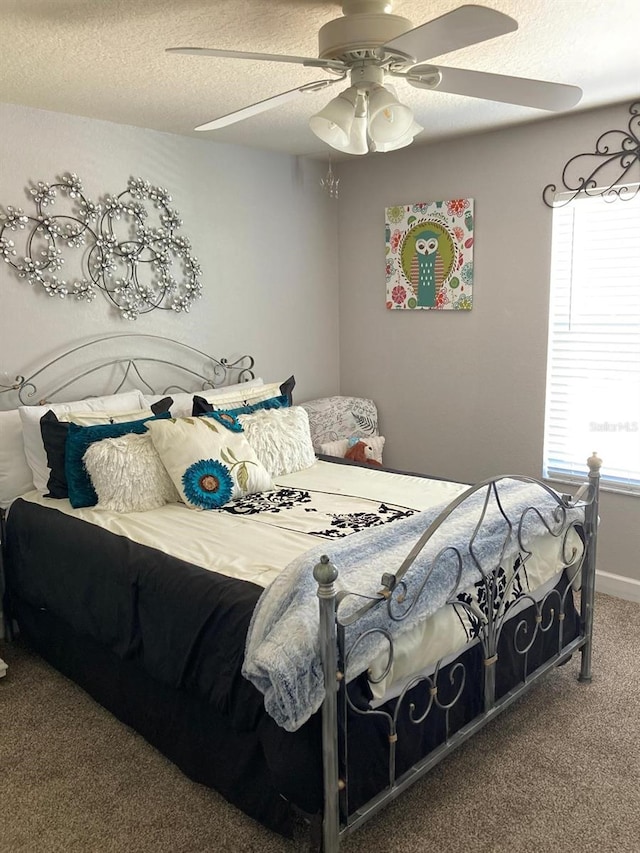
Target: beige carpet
{"type": "Point", "coordinates": [559, 771]}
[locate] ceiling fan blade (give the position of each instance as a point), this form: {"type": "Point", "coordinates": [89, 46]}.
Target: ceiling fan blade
{"type": "Point", "coordinates": [267, 104]}
{"type": "Point", "coordinates": [334, 65]}
{"type": "Point", "coordinates": [496, 87]}
{"type": "Point", "coordinates": [457, 29]}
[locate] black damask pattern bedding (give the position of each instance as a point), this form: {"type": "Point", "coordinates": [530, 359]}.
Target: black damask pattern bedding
{"type": "Point", "coordinates": [339, 524]}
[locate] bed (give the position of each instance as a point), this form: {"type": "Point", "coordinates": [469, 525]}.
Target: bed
{"type": "Point", "coordinates": [319, 641]}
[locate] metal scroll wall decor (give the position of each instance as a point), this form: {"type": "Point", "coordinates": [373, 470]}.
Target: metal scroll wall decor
{"type": "Point", "coordinates": [138, 261]}
{"type": "Point", "coordinates": [608, 168]}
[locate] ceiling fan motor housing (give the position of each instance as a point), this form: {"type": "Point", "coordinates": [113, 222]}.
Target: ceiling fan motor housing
{"type": "Point", "coordinates": [359, 34]}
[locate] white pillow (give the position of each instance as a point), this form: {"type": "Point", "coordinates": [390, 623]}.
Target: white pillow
{"type": "Point", "coordinates": [241, 396]}
{"type": "Point", "coordinates": [280, 438]}
{"type": "Point", "coordinates": [237, 387]}
{"type": "Point", "coordinates": [182, 406]}
{"type": "Point", "coordinates": [374, 445]}
{"type": "Point", "coordinates": [15, 475]}
{"type": "Point", "coordinates": [209, 464]}
{"type": "Point", "coordinates": [128, 475]}
{"type": "Point", "coordinates": [32, 437]}
{"type": "Point", "coordinates": [95, 418]}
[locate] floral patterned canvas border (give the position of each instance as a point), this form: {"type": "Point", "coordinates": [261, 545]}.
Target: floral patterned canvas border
{"type": "Point", "coordinates": [429, 255]}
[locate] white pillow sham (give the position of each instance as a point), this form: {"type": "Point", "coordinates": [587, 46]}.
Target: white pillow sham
{"type": "Point", "coordinates": [15, 475]}
{"type": "Point", "coordinates": [30, 416]}
{"type": "Point", "coordinates": [209, 464]}
{"type": "Point", "coordinates": [182, 406]}
{"type": "Point", "coordinates": [280, 439]}
{"type": "Point", "coordinates": [128, 475]}
{"type": "Point", "coordinates": [242, 396]}
{"type": "Point", "coordinates": [95, 418]}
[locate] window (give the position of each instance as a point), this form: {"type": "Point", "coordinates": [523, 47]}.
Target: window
{"type": "Point", "coordinates": [593, 368]}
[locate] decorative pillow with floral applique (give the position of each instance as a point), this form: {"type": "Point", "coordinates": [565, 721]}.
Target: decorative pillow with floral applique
{"type": "Point", "coordinates": [208, 459]}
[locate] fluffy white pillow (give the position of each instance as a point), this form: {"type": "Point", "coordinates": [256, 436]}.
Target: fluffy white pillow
{"type": "Point", "coordinates": [209, 464]}
{"type": "Point", "coordinates": [374, 446]}
{"type": "Point", "coordinates": [128, 475]}
{"type": "Point", "coordinates": [32, 437]}
{"type": "Point", "coordinates": [15, 475]}
{"type": "Point", "coordinates": [280, 438]}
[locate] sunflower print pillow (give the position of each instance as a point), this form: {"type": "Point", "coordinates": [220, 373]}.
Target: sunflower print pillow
{"type": "Point", "coordinates": [209, 460]}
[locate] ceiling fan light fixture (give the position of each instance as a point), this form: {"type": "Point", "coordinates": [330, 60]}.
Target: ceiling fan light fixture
{"type": "Point", "coordinates": [407, 139]}
{"type": "Point", "coordinates": [368, 43]}
{"type": "Point", "coordinates": [365, 119]}
{"type": "Point", "coordinates": [389, 120]}
{"type": "Point", "coordinates": [334, 122]}
{"type": "Point", "coordinates": [358, 142]}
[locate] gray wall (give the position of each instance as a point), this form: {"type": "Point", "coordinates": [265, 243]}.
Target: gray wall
{"type": "Point", "coordinates": [259, 223]}
{"type": "Point", "coordinates": [461, 394]}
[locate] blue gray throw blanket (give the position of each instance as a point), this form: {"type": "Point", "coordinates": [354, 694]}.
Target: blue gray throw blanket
{"type": "Point", "coordinates": [282, 657]}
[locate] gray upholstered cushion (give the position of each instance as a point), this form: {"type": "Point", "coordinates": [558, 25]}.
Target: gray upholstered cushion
{"type": "Point", "coordinates": [335, 418]}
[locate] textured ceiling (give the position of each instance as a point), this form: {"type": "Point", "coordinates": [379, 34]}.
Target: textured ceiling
{"type": "Point", "coordinates": [105, 59]}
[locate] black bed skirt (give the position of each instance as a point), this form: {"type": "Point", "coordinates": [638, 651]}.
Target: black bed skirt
{"type": "Point", "coordinates": [264, 771]}
{"type": "Point", "coordinates": [186, 730]}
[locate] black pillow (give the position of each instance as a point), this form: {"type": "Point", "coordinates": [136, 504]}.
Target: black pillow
{"type": "Point", "coordinates": [54, 438]}
{"type": "Point", "coordinates": [162, 406]}
{"type": "Point", "coordinates": [287, 388]}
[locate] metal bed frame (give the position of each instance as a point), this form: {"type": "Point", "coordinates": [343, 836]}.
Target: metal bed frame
{"type": "Point", "coordinates": [95, 360]}
{"type": "Point", "coordinates": [338, 636]}
{"type": "Point", "coordinates": [339, 820]}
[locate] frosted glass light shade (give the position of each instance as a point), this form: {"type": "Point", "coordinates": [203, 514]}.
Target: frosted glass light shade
{"type": "Point", "coordinates": [369, 118]}
{"type": "Point", "coordinates": [407, 139]}
{"type": "Point", "coordinates": [389, 120]}
{"type": "Point", "coordinates": [333, 123]}
{"type": "Point", "coordinates": [358, 143]}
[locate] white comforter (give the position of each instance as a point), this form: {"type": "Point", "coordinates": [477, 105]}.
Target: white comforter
{"type": "Point", "coordinates": [255, 548]}
{"type": "Point", "coordinates": [258, 546]}
{"type": "Point", "coordinates": [283, 651]}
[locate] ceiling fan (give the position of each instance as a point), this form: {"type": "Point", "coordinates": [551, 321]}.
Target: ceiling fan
{"type": "Point", "coordinates": [370, 44]}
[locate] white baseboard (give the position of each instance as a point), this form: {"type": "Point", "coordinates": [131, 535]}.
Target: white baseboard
{"type": "Point", "coordinates": [618, 585]}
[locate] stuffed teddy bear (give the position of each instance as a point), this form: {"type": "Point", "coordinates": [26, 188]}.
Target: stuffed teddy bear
{"type": "Point", "coordinates": [361, 452]}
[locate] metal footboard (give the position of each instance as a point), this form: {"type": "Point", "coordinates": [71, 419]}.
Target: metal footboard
{"type": "Point", "coordinates": [339, 819]}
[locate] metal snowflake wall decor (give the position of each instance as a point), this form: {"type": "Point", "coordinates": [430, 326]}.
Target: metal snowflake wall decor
{"type": "Point", "coordinates": [138, 265]}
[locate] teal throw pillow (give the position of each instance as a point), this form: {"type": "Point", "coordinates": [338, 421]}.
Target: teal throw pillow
{"type": "Point", "coordinates": [79, 438]}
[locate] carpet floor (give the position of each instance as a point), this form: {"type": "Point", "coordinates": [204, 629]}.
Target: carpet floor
{"type": "Point", "coordinates": [558, 771]}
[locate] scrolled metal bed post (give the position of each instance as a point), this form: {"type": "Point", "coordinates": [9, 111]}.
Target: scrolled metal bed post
{"type": "Point", "coordinates": [325, 574]}
{"type": "Point", "coordinates": [589, 571]}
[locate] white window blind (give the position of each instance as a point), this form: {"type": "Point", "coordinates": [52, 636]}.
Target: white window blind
{"type": "Point", "coordinates": [593, 367]}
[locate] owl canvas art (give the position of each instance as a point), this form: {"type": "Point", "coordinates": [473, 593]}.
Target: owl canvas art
{"type": "Point", "coordinates": [429, 255]}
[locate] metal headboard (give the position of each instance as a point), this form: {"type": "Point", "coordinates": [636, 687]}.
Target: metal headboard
{"type": "Point", "coordinates": [128, 367]}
